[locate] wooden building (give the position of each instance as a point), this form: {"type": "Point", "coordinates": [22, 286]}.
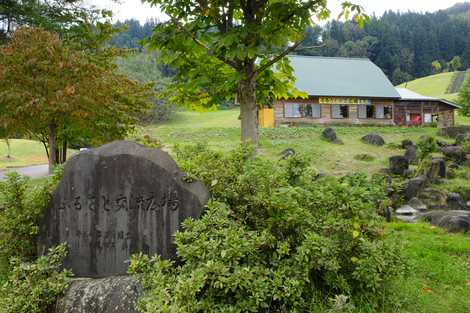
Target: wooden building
{"type": "Point", "coordinates": [356, 91]}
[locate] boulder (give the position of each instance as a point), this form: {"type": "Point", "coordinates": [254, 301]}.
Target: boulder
{"type": "Point", "coordinates": [405, 143]}
{"type": "Point", "coordinates": [460, 139]}
{"type": "Point", "coordinates": [454, 153]}
{"type": "Point", "coordinates": [373, 139]}
{"type": "Point", "coordinates": [453, 221]}
{"type": "Point", "coordinates": [406, 213]}
{"type": "Point", "coordinates": [286, 153]}
{"type": "Point", "coordinates": [434, 199]}
{"type": "Point", "coordinates": [398, 165]}
{"type": "Point", "coordinates": [436, 170]}
{"type": "Point", "coordinates": [118, 294]}
{"type": "Point", "coordinates": [411, 153]}
{"type": "Point", "coordinates": [329, 135]}
{"type": "Point", "coordinates": [455, 201]}
{"type": "Point", "coordinates": [414, 185]}
{"type": "Point", "coordinates": [417, 204]}
{"type": "Point", "coordinates": [115, 201]}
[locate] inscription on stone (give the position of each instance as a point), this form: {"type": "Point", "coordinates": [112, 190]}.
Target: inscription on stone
{"type": "Point", "coordinates": [117, 200]}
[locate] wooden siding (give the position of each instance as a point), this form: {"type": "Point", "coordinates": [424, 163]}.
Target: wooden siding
{"type": "Point", "coordinates": [326, 114]}
{"type": "Point", "coordinates": [444, 113]}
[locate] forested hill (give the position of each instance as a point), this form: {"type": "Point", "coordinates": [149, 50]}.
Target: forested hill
{"type": "Point", "coordinates": [404, 45]}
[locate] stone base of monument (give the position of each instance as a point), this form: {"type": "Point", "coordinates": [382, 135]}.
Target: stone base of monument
{"type": "Point", "coordinates": [107, 295]}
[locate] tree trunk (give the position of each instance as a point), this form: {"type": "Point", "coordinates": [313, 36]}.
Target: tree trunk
{"type": "Point", "coordinates": [248, 110]}
{"type": "Point", "coordinates": [64, 152]}
{"type": "Point", "coordinates": [52, 147]}
{"type": "Point", "coordinates": [7, 141]}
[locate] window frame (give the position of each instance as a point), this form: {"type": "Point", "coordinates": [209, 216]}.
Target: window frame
{"type": "Point", "coordinates": [302, 110]}
{"type": "Point", "coordinates": [340, 118]}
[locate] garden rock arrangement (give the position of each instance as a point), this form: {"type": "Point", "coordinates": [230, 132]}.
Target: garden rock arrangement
{"type": "Point", "coordinates": [329, 135]}
{"type": "Point", "coordinates": [425, 201]}
{"type": "Point", "coordinates": [373, 139]}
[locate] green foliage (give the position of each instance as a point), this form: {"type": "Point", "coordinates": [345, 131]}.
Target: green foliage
{"type": "Point", "coordinates": [34, 287]}
{"type": "Point", "coordinates": [275, 238]}
{"type": "Point", "coordinates": [464, 98]}
{"type": "Point", "coordinates": [436, 66]}
{"type": "Point", "coordinates": [21, 209]}
{"type": "Point", "coordinates": [426, 146]}
{"type": "Point", "coordinates": [456, 63]}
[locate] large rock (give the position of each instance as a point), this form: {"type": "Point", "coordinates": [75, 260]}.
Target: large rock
{"type": "Point", "coordinates": [452, 221]}
{"type": "Point", "coordinates": [455, 201]}
{"type": "Point", "coordinates": [417, 204]}
{"type": "Point", "coordinates": [329, 135]}
{"type": "Point", "coordinates": [437, 169]}
{"type": "Point", "coordinates": [411, 153]}
{"type": "Point", "coordinates": [373, 139]}
{"type": "Point", "coordinates": [398, 165]}
{"type": "Point", "coordinates": [454, 153]}
{"type": "Point", "coordinates": [407, 214]}
{"type": "Point", "coordinates": [108, 295]}
{"type": "Point", "coordinates": [287, 153]}
{"type": "Point", "coordinates": [115, 201]}
{"type": "Point", "coordinates": [414, 185]}
{"type": "Point", "coordinates": [406, 143]}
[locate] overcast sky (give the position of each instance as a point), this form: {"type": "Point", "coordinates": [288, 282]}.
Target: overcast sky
{"type": "Point", "coordinates": [128, 9]}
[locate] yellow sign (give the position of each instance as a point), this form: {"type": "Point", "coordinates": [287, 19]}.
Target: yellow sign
{"type": "Point", "coordinates": [343, 100]}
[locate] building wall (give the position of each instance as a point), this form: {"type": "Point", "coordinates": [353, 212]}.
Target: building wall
{"type": "Point", "coordinates": [441, 113]}
{"type": "Point", "coordinates": [326, 114]}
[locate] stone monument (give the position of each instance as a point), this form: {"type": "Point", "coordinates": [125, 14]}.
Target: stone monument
{"type": "Point", "coordinates": [115, 201]}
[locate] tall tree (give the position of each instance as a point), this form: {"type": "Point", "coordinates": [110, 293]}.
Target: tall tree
{"type": "Point", "coordinates": [230, 46]}
{"type": "Point", "coordinates": [58, 93]}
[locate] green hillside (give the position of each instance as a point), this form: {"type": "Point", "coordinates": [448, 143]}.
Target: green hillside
{"type": "Point", "coordinates": [434, 85]}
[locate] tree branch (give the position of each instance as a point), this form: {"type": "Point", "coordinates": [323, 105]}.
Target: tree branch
{"type": "Point", "coordinates": [200, 43]}
{"type": "Point", "coordinates": [279, 57]}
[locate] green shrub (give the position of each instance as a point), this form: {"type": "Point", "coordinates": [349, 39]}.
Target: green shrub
{"type": "Point", "coordinates": [34, 287]}
{"type": "Point", "coordinates": [426, 146]}
{"type": "Point", "coordinates": [21, 209]}
{"type": "Point", "coordinates": [275, 238]}
{"type": "Point", "coordinates": [466, 144]}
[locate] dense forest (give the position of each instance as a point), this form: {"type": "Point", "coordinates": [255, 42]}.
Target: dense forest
{"type": "Point", "coordinates": [404, 45]}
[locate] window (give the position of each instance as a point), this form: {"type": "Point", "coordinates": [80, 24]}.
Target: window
{"type": "Point", "coordinates": [383, 111]}
{"type": "Point", "coordinates": [388, 112]}
{"type": "Point", "coordinates": [312, 110]}
{"type": "Point", "coordinates": [297, 110]}
{"type": "Point", "coordinates": [339, 111]}
{"type": "Point", "coordinates": [366, 111]}
{"type": "Point", "coordinates": [292, 110]}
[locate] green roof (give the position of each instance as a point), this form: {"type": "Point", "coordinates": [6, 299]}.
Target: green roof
{"type": "Point", "coordinates": [341, 77]}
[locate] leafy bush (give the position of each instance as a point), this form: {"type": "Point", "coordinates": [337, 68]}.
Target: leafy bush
{"type": "Point", "coordinates": [275, 238]}
{"type": "Point", "coordinates": [34, 287]}
{"type": "Point", "coordinates": [466, 144]}
{"type": "Point", "coordinates": [426, 146]}
{"type": "Point", "coordinates": [21, 209]}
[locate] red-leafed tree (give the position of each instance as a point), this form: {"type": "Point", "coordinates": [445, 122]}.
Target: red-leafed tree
{"type": "Point", "coordinates": [58, 94]}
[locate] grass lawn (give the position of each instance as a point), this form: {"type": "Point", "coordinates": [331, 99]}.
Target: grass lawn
{"type": "Point", "coordinates": [439, 265]}
{"type": "Point", "coordinates": [433, 86]}
{"type": "Point", "coordinates": [24, 152]}
{"type": "Point", "coordinates": [221, 130]}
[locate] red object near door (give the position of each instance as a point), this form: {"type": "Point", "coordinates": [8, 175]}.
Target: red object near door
{"type": "Point", "coordinates": [415, 119]}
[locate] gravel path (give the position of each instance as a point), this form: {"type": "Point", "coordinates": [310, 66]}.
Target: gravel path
{"type": "Point", "coordinates": [35, 171]}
